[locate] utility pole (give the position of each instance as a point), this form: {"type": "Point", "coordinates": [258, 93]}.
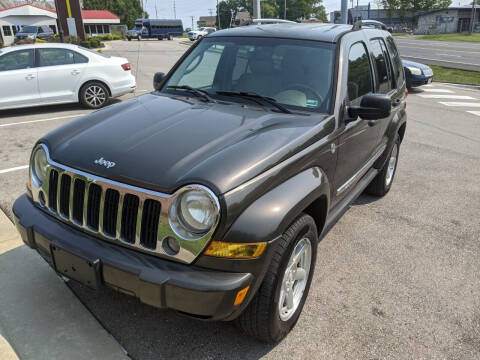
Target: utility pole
{"type": "Point", "coordinates": [256, 9]}
{"type": "Point", "coordinates": [218, 16]}
{"type": "Point", "coordinates": [193, 17]}
{"type": "Point", "coordinates": [174, 10]}
{"type": "Point", "coordinates": [285, 10]}
{"type": "Point", "coordinates": [472, 21]}
{"type": "Point", "coordinates": [210, 12]}
{"type": "Point", "coordinates": [344, 11]}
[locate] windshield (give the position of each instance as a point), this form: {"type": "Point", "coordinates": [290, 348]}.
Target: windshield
{"type": "Point", "coordinates": [296, 73]}
{"type": "Point", "coordinates": [29, 29]}
{"type": "Point", "coordinates": [138, 26]}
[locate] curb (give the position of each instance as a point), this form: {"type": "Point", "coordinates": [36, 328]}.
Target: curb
{"type": "Point", "coordinates": [40, 317]}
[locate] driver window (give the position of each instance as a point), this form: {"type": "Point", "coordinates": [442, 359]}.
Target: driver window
{"type": "Point", "coordinates": [205, 67]}
{"type": "Point", "coordinates": [359, 74]}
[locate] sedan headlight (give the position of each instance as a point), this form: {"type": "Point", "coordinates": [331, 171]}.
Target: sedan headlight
{"type": "Point", "coordinates": [38, 167]}
{"type": "Point", "coordinates": [415, 71]}
{"type": "Point", "coordinates": [193, 212]}
{"type": "Point", "coordinates": [31, 37]}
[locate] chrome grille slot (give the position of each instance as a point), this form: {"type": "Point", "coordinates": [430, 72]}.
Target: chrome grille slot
{"type": "Point", "coordinates": [150, 218]}
{"type": "Point", "coordinates": [129, 218]}
{"type": "Point", "coordinates": [93, 206]}
{"type": "Point", "coordinates": [65, 195]}
{"type": "Point", "coordinates": [110, 212]}
{"type": "Point", "coordinates": [52, 190]}
{"type": "Point", "coordinates": [78, 200]}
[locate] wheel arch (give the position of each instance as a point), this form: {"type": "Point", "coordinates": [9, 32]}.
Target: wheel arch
{"type": "Point", "coordinates": [271, 214]}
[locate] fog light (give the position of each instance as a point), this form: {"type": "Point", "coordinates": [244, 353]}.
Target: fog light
{"type": "Point", "coordinates": [241, 296]}
{"type": "Point", "coordinates": [235, 250]}
{"type": "Point", "coordinates": [171, 246]}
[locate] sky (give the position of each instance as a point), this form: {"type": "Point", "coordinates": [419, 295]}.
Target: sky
{"type": "Point", "coordinates": [187, 8]}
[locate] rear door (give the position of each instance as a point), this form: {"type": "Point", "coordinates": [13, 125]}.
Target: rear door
{"type": "Point", "coordinates": [59, 73]}
{"type": "Point", "coordinates": [18, 79]}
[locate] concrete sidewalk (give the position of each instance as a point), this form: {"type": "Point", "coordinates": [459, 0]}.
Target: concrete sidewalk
{"type": "Point", "coordinates": [40, 318]}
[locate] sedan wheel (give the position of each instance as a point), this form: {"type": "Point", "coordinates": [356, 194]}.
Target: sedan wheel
{"type": "Point", "coordinates": [94, 95]}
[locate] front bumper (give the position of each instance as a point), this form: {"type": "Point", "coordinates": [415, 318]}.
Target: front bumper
{"type": "Point", "coordinates": [202, 293]}
{"type": "Point", "coordinates": [419, 80]}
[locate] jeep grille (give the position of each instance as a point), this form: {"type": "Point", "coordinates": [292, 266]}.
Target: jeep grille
{"type": "Point", "coordinates": [120, 213]}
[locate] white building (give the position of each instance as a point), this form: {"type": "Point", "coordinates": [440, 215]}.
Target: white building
{"type": "Point", "coordinates": [97, 22]}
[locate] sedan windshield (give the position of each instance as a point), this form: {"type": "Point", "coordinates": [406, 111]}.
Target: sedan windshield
{"type": "Point", "coordinates": [29, 29]}
{"type": "Point", "coordinates": [295, 73]}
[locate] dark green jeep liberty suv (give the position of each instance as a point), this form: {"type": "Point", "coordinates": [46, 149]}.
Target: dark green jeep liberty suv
{"type": "Point", "coordinates": [209, 195]}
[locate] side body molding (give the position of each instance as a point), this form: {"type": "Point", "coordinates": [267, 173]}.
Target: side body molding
{"type": "Point", "coordinates": [271, 214]}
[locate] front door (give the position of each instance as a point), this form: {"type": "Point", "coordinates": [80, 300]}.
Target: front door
{"type": "Point", "coordinates": [59, 75]}
{"type": "Point", "coordinates": [18, 79]}
{"type": "Point", "coordinates": [359, 139]}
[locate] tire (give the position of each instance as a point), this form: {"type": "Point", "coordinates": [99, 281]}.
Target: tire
{"type": "Point", "coordinates": [139, 38]}
{"type": "Point", "coordinates": [382, 183]}
{"type": "Point", "coordinates": [94, 95]}
{"type": "Point", "coordinates": [169, 37]}
{"type": "Point", "coordinates": [262, 318]}
{"type": "Point", "coordinates": [129, 38]}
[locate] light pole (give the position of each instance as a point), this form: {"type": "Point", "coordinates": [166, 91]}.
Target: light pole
{"type": "Point", "coordinates": [218, 16]}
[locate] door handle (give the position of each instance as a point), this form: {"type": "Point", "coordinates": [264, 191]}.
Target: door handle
{"type": "Point", "coordinates": [30, 77]}
{"type": "Point", "coordinates": [75, 72]}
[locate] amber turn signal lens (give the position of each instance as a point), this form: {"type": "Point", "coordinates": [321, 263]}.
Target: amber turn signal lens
{"type": "Point", "coordinates": [235, 250]}
{"type": "Point", "coordinates": [241, 296]}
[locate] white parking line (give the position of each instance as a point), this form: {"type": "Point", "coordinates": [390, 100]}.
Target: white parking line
{"type": "Point", "coordinates": [447, 96]}
{"type": "Point", "coordinates": [466, 104]}
{"type": "Point", "coordinates": [13, 169]}
{"type": "Point", "coordinates": [474, 112]}
{"type": "Point", "coordinates": [439, 90]}
{"type": "Point", "coordinates": [41, 120]}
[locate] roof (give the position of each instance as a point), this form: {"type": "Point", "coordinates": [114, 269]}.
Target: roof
{"type": "Point", "coordinates": [39, 45]}
{"type": "Point", "coordinates": [99, 14]}
{"type": "Point", "coordinates": [208, 19]}
{"type": "Point", "coordinates": [319, 32]}
{"type": "Point", "coordinates": [462, 8]}
{"type": "Point", "coordinates": [86, 14]}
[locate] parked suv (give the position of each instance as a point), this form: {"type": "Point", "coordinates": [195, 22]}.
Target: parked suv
{"type": "Point", "coordinates": [200, 33]}
{"type": "Point", "coordinates": [43, 32]}
{"type": "Point", "coordinates": [213, 200]}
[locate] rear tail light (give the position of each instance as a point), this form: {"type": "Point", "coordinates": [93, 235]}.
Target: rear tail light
{"type": "Point", "coordinates": [127, 67]}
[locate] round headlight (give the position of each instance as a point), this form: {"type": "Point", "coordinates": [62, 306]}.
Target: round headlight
{"type": "Point", "coordinates": [193, 213]}
{"type": "Point", "coordinates": [39, 166]}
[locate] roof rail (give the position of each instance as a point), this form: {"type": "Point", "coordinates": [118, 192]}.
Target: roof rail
{"type": "Point", "coordinates": [357, 25]}
{"type": "Point", "coordinates": [272, 21]}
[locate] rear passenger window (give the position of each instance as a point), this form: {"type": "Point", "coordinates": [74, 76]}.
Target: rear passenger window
{"type": "Point", "coordinates": [359, 74]}
{"type": "Point", "coordinates": [54, 57]}
{"type": "Point", "coordinates": [397, 62]}
{"type": "Point", "coordinates": [383, 79]}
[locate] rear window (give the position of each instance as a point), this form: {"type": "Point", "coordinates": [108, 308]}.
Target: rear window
{"type": "Point", "coordinates": [95, 52]}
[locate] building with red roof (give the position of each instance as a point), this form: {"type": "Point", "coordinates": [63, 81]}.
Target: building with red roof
{"type": "Point", "coordinates": [12, 19]}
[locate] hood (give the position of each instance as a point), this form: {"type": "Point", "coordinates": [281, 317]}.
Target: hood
{"type": "Point", "coordinates": [161, 142]}
{"type": "Point", "coordinates": [414, 64]}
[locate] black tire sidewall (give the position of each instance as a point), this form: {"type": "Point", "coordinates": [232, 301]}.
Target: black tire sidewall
{"type": "Point", "coordinates": [385, 168]}
{"type": "Point", "coordinates": [280, 328]}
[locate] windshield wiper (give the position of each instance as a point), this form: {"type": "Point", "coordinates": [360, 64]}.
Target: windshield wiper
{"type": "Point", "coordinates": [197, 92]}
{"type": "Point", "coordinates": [254, 96]}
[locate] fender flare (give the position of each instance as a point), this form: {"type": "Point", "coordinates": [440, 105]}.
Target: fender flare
{"type": "Point", "coordinates": [398, 121]}
{"type": "Point", "coordinates": [270, 215]}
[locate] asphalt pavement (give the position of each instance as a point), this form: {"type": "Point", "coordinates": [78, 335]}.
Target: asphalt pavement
{"type": "Point", "coordinates": [396, 277]}
{"type": "Point", "coordinates": [457, 55]}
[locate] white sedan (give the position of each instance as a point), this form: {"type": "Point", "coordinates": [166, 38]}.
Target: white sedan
{"type": "Point", "coordinates": [45, 74]}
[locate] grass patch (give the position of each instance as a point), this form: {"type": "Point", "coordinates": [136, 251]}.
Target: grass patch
{"type": "Point", "coordinates": [463, 37]}
{"type": "Point", "coordinates": [444, 74]}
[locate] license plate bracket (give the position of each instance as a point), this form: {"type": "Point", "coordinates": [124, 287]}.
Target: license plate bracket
{"type": "Point", "coordinates": [76, 267]}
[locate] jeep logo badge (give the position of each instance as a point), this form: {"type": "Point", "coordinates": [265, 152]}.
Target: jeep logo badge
{"type": "Point", "coordinates": [103, 162]}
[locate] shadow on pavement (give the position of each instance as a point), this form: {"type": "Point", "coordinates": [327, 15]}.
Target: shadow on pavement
{"type": "Point", "coordinates": [150, 333]}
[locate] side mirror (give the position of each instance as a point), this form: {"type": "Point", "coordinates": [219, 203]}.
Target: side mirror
{"type": "Point", "coordinates": [158, 80]}
{"type": "Point", "coordinates": [372, 107]}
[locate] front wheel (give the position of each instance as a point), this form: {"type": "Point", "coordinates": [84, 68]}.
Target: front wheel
{"type": "Point", "coordinates": [276, 306]}
{"type": "Point", "coordinates": [129, 38]}
{"type": "Point", "coordinates": [94, 95]}
{"type": "Point", "coordinates": [382, 183]}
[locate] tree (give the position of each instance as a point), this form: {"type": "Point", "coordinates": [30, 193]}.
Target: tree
{"type": "Point", "coordinates": [296, 9]}
{"type": "Point", "coordinates": [414, 5]}
{"type": "Point", "coordinates": [127, 10]}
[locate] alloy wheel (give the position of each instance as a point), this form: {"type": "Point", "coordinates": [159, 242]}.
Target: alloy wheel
{"type": "Point", "coordinates": [95, 96]}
